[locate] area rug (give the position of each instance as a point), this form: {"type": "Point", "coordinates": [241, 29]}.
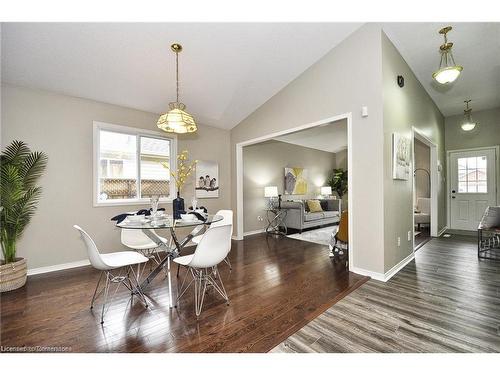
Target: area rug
{"type": "Point", "coordinates": [320, 235]}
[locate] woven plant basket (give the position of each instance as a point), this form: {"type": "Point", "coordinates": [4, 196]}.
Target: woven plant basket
{"type": "Point", "coordinates": [13, 275]}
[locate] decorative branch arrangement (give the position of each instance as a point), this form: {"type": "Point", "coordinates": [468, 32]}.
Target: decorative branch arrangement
{"type": "Point", "coordinates": [184, 169]}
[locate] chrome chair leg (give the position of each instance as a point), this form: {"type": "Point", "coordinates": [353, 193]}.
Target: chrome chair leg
{"type": "Point", "coordinates": [137, 286]}
{"type": "Point", "coordinates": [228, 262]}
{"type": "Point", "coordinates": [106, 290]}
{"type": "Point", "coordinates": [132, 284]}
{"type": "Point", "coordinates": [218, 285]}
{"type": "Point", "coordinates": [199, 291]}
{"type": "Point", "coordinates": [202, 278]}
{"type": "Point", "coordinates": [95, 291]}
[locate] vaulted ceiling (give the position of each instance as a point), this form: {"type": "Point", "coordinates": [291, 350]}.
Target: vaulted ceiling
{"type": "Point", "coordinates": [227, 70]}
{"type": "Point", "coordinates": [476, 48]}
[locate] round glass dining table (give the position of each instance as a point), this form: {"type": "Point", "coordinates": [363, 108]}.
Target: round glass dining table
{"type": "Point", "coordinates": [150, 225]}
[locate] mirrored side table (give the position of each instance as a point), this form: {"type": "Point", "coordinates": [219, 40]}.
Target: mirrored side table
{"type": "Point", "coordinates": [276, 221]}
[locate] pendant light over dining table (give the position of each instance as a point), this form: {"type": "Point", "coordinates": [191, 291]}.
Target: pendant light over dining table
{"type": "Point", "coordinates": [176, 120]}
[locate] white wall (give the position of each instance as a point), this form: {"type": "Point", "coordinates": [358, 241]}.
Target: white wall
{"type": "Point", "coordinates": [61, 126]}
{"type": "Point", "coordinates": [344, 80]}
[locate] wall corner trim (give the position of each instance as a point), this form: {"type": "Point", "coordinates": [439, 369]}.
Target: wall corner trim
{"type": "Point", "coordinates": [253, 232]}
{"type": "Point", "coordinates": [394, 270]}
{"type": "Point", "coordinates": [374, 275]}
{"type": "Point", "coordinates": [384, 276]}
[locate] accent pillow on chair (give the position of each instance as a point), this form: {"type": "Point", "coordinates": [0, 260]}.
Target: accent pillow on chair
{"type": "Point", "coordinates": [314, 205]}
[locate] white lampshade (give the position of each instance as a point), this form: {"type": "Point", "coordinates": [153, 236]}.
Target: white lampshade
{"type": "Point", "coordinates": [468, 126]}
{"type": "Point", "coordinates": [270, 191]}
{"type": "Point", "coordinates": [326, 190]}
{"type": "Point", "coordinates": [448, 74]}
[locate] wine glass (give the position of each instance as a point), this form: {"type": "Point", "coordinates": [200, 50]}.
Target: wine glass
{"type": "Point", "coordinates": [155, 199]}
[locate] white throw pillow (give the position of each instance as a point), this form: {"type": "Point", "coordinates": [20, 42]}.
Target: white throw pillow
{"type": "Point", "coordinates": [492, 217]}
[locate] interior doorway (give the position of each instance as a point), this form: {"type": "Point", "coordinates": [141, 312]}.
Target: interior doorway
{"type": "Point", "coordinates": [421, 193]}
{"type": "Point", "coordinates": [424, 187]}
{"type": "Point", "coordinates": [240, 180]}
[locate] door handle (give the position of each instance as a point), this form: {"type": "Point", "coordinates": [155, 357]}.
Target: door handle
{"type": "Point", "coordinates": [453, 191]}
{"type": "Point", "coordinates": [453, 196]}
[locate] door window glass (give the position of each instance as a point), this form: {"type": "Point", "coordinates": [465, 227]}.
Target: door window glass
{"type": "Point", "coordinates": [472, 175]}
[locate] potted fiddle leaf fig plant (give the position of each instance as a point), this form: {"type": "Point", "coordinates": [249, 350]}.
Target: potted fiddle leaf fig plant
{"type": "Point", "coordinates": [338, 181]}
{"type": "Point", "coordinates": [20, 170]}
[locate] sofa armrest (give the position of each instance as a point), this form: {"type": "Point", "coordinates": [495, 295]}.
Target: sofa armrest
{"type": "Point", "coordinates": [291, 205]}
{"type": "Point", "coordinates": [295, 214]}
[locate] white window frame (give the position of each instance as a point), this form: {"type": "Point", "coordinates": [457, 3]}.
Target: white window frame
{"type": "Point", "coordinates": [97, 127]}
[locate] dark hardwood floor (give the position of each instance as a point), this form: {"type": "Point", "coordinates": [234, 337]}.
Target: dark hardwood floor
{"type": "Point", "coordinates": [446, 300]}
{"type": "Point", "coordinates": [277, 285]}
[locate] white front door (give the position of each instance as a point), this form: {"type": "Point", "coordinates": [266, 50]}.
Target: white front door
{"type": "Point", "coordinates": [473, 186]}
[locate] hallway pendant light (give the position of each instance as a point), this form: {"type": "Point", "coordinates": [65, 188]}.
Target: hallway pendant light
{"type": "Point", "coordinates": [176, 120]}
{"type": "Point", "coordinates": [448, 70]}
{"type": "Point", "coordinates": [468, 125]}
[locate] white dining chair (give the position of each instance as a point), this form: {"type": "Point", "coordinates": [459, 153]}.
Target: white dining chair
{"type": "Point", "coordinates": [137, 240]}
{"type": "Point", "coordinates": [106, 263]}
{"type": "Point", "coordinates": [227, 219]}
{"type": "Point", "coordinates": [202, 265]}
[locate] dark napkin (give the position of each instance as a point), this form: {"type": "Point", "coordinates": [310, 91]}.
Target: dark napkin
{"type": "Point", "coordinates": [119, 218]}
{"type": "Point", "coordinates": [198, 216]}
{"type": "Point", "coordinates": [202, 208]}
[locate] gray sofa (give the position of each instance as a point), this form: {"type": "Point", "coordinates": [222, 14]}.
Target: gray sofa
{"type": "Point", "coordinates": [298, 215]}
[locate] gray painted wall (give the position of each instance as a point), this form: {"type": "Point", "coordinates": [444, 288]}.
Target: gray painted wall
{"type": "Point", "coordinates": [263, 165]}
{"type": "Point", "coordinates": [341, 159]}
{"type": "Point", "coordinates": [61, 126]}
{"type": "Point", "coordinates": [403, 108]}
{"type": "Point", "coordinates": [487, 132]}
{"type": "Point", "coordinates": [343, 81]}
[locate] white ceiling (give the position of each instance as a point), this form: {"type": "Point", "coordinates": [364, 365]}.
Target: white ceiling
{"type": "Point", "coordinates": [330, 138]}
{"type": "Point", "coordinates": [226, 70]}
{"type": "Point", "coordinates": [476, 48]}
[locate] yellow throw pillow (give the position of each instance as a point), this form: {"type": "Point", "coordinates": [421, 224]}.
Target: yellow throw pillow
{"type": "Point", "coordinates": [314, 205]}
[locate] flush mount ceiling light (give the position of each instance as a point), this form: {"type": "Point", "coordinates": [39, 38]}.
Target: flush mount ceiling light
{"type": "Point", "coordinates": [176, 120]}
{"type": "Point", "coordinates": [448, 70]}
{"type": "Point", "coordinates": [468, 125]}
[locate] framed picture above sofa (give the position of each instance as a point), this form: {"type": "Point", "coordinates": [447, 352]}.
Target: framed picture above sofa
{"type": "Point", "coordinates": [295, 181]}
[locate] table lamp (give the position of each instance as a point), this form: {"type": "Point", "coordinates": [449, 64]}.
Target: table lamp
{"type": "Point", "coordinates": [326, 191]}
{"type": "Point", "coordinates": [271, 192]}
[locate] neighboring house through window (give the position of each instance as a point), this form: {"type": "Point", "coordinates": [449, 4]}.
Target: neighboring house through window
{"type": "Point", "coordinates": [131, 165]}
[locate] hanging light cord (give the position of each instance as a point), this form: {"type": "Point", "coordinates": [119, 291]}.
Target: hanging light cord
{"type": "Point", "coordinates": [177, 73]}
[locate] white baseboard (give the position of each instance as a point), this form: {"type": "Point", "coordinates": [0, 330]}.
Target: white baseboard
{"type": "Point", "coordinates": [374, 275]}
{"type": "Point", "coordinates": [394, 270]}
{"type": "Point", "coordinates": [58, 267]}
{"type": "Point", "coordinates": [67, 266]}
{"type": "Point", "coordinates": [253, 232]}
{"type": "Point", "coordinates": [440, 233]}
{"type": "Point", "coordinates": [384, 276]}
